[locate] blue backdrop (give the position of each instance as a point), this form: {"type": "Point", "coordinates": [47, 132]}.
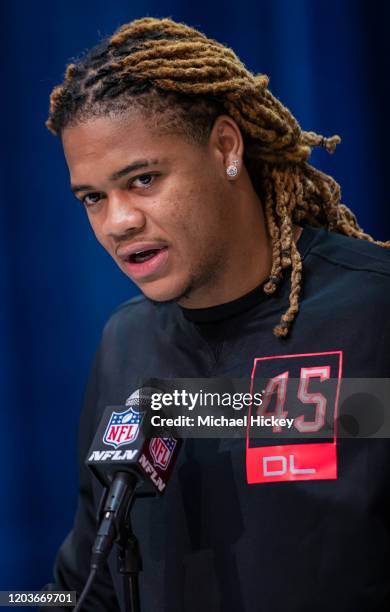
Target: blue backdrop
{"type": "Point", "coordinates": [328, 62]}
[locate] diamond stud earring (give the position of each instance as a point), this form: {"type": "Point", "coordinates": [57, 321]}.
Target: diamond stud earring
{"type": "Point", "coordinates": [232, 169]}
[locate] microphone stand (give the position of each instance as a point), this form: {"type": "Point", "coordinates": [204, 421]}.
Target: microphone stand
{"type": "Point", "coordinates": [129, 565]}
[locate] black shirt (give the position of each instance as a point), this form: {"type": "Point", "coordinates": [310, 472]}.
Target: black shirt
{"type": "Point", "coordinates": [213, 541]}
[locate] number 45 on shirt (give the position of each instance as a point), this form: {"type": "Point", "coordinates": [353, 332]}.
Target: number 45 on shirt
{"type": "Point", "coordinates": [305, 388]}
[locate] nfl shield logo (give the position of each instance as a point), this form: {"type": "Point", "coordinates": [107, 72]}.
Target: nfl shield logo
{"type": "Point", "coordinates": [122, 428]}
{"type": "Point", "coordinates": [161, 450]}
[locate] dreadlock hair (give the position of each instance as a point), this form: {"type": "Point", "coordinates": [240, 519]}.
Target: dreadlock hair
{"type": "Point", "coordinates": [169, 68]}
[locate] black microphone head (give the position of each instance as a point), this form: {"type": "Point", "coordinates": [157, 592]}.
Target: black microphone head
{"type": "Point", "coordinates": [126, 441]}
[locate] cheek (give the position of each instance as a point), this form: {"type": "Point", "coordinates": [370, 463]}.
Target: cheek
{"type": "Point", "coordinates": [190, 216]}
{"type": "Point", "coordinates": [192, 221]}
{"type": "Point", "coordinates": [176, 212]}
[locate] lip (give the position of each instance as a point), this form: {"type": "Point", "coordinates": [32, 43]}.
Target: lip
{"type": "Point", "coordinates": [151, 267]}
{"type": "Point", "coordinates": [125, 252]}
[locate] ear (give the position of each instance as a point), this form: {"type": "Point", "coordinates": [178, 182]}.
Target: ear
{"type": "Point", "coordinates": [227, 145]}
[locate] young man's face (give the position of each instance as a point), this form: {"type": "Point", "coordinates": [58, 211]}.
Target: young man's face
{"type": "Point", "coordinates": [162, 207]}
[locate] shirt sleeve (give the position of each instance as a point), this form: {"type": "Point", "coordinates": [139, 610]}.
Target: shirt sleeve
{"type": "Point", "coordinates": [72, 563]}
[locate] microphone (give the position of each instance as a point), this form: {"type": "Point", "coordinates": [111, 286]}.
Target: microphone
{"type": "Point", "coordinates": [130, 458]}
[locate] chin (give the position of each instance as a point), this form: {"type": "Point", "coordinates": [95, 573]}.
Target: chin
{"type": "Point", "coordinates": [166, 292]}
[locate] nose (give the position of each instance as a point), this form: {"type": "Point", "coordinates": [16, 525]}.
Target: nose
{"type": "Point", "coordinates": [122, 215]}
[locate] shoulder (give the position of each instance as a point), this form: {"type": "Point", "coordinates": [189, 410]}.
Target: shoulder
{"type": "Point", "coordinates": [346, 273]}
{"type": "Point", "coordinates": [133, 312]}
{"type": "Point", "coordinates": [348, 253]}
{"type": "Point", "coordinates": [138, 316]}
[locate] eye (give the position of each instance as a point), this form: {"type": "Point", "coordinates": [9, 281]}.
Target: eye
{"type": "Point", "coordinates": [145, 180]}
{"type": "Point", "coordinates": [91, 198]}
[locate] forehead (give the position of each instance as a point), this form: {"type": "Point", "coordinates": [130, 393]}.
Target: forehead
{"type": "Point", "coordinates": [107, 135]}
{"type": "Point", "coordinates": [98, 146]}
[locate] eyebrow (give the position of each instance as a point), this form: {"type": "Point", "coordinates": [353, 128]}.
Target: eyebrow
{"type": "Point", "coordinates": [136, 165]}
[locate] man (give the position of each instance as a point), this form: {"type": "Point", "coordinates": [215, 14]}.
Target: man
{"type": "Point", "coordinates": [195, 179]}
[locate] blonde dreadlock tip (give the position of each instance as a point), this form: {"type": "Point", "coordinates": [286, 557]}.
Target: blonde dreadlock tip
{"type": "Point", "coordinates": [49, 126]}
{"type": "Point", "coordinates": [70, 70]}
{"type": "Point", "coordinates": [331, 143]}
{"type": "Point", "coordinates": [269, 288]}
{"type": "Point", "coordinates": [262, 81]}
{"type": "Point", "coordinates": [281, 331]}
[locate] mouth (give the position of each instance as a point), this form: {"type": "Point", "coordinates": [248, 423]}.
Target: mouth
{"type": "Point", "coordinates": [145, 263]}
{"type": "Point", "coordinates": [142, 256]}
